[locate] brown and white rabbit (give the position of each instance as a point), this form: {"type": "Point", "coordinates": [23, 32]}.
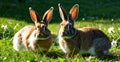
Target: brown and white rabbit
{"type": "Point", "coordinates": [83, 40]}
{"type": "Point", "coordinates": [34, 37]}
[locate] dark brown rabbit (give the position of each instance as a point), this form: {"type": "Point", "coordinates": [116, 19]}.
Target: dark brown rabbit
{"type": "Point", "coordinates": [83, 40]}
{"type": "Point", "coordinates": [34, 37]}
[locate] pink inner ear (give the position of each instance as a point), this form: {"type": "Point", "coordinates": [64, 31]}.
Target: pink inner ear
{"type": "Point", "coordinates": [49, 16]}
{"type": "Point", "coordinates": [33, 15]}
{"type": "Point", "coordinates": [74, 11]}
{"type": "Point", "coordinates": [74, 14]}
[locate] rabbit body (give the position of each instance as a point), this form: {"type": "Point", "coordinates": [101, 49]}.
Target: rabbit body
{"type": "Point", "coordinates": [36, 37]}
{"type": "Point", "coordinates": [86, 40]}
{"type": "Point", "coordinates": [83, 40]}
{"type": "Point", "coordinates": [25, 38]}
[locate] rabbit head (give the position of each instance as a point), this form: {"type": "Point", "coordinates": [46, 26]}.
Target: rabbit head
{"type": "Point", "coordinates": [41, 25]}
{"type": "Point", "coordinates": [67, 24]}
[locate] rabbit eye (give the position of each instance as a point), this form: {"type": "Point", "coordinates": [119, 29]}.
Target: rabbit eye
{"type": "Point", "coordinates": [44, 27]}
{"type": "Point", "coordinates": [38, 27]}
{"type": "Point", "coordinates": [70, 25]}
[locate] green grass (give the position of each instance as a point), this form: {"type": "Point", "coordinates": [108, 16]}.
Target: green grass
{"type": "Point", "coordinates": [102, 14]}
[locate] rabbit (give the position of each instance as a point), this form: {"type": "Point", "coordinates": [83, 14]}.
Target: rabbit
{"type": "Point", "coordinates": [36, 37]}
{"type": "Point", "coordinates": [86, 40]}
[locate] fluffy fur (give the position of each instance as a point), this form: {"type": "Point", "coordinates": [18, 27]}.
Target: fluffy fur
{"type": "Point", "coordinates": [83, 40]}
{"type": "Point", "coordinates": [35, 38]}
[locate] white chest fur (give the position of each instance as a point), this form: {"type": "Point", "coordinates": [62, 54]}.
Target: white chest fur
{"type": "Point", "coordinates": [63, 45]}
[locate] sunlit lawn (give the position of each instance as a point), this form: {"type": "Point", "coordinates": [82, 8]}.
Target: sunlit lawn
{"type": "Point", "coordinates": [7, 53]}
{"type": "Point", "coordinates": [14, 16]}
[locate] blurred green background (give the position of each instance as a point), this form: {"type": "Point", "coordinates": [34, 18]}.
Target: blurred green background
{"type": "Point", "coordinates": [89, 9]}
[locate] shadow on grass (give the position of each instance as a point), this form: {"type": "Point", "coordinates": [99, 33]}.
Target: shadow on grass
{"type": "Point", "coordinates": [55, 54]}
{"type": "Point", "coordinates": [111, 57]}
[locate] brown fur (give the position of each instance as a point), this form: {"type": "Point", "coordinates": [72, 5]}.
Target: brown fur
{"type": "Point", "coordinates": [73, 41]}
{"type": "Point", "coordinates": [30, 37]}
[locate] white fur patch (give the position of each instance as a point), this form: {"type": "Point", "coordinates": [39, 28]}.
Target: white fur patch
{"type": "Point", "coordinates": [64, 48]}
{"type": "Point", "coordinates": [17, 43]}
{"type": "Point", "coordinates": [32, 39]}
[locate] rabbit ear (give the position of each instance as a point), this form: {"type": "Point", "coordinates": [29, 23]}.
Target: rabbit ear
{"type": "Point", "coordinates": [62, 12]}
{"type": "Point", "coordinates": [73, 14]}
{"type": "Point", "coordinates": [48, 15]}
{"type": "Point", "coordinates": [34, 15]}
